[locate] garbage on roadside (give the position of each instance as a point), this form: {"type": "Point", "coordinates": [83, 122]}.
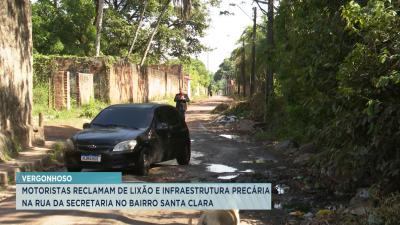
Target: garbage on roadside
{"type": "Point", "coordinates": [224, 119]}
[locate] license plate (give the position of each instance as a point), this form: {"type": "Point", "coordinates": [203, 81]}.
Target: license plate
{"type": "Point", "coordinates": [91, 158]}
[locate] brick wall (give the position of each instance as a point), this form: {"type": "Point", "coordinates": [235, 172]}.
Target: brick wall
{"type": "Point", "coordinates": [61, 96]}
{"type": "Point", "coordinates": [15, 73]}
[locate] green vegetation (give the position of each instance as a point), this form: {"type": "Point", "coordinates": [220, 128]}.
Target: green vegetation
{"type": "Point", "coordinates": [336, 81]}
{"type": "Point", "coordinates": [11, 148]}
{"type": "Point", "coordinates": [58, 151]}
{"type": "Point", "coordinates": [169, 100]}
{"type": "Point", "coordinates": [68, 28]}
{"type": "Point", "coordinates": [199, 75]}
{"type": "Point", "coordinates": [346, 83]}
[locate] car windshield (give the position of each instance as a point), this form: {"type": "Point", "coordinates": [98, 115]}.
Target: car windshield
{"type": "Point", "coordinates": [134, 118]}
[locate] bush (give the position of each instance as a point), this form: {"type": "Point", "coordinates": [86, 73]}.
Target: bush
{"type": "Point", "coordinates": [220, 108]}
{"type": "Point", "coordinates": [92, 109]}
{"type": "Point", "coordinates": [241, 109]}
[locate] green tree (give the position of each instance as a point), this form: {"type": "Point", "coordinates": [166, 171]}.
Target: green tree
{"type": "Point", "coordinates": [226, 70]}
{"type": "Point", "coordinates": [199, 75]}
{"type": "Point", "coordinates": [63, 28]}
{"type": "Point", "coordinates": [337, 64]}
{"type": "Point", "coordinates": [68, 27]}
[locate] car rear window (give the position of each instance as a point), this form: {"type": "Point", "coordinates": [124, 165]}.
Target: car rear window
{"type": "Point", "coordinates": [136, 118]}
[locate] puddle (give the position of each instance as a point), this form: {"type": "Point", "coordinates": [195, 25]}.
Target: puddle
{"type": "Point", "coordinates": [196, 154]}
{"type": "Point", "coordinates": [229, 136]}
{"type": "Point", "coordinates": [194, 158]}
{"type": "Point", "coordinates": [219, 168]}
{"type": "Point", "coordinates": [228, 177]}
{"type": "Point", "coordinates": [258, 161]}
{"type": "Point", "coordinates": [247, 171]}
{"type": "Point", "coordinates": [281, 188]}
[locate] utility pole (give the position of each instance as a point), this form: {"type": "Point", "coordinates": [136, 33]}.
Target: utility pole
{"type": "Point", "coordinates": [253, 54]}
{"type": "Point", "coordinates": [243, 69]}
{"type": "Point", "coordinates": [269, 87]}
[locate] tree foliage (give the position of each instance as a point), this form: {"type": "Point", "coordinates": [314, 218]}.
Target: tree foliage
{"type": "Point", "coordinates": [63, 27]}
{"type": "Point", "coordinates": [337, 69]}
{"type": "Point", "coordinates": [338, 66]}
{"type": "Point", "coordinates": [199, 75]}
{"type": "Point", "coordinates": [226, 70]}
{"type": "Point", "coordinates": [68, 27]}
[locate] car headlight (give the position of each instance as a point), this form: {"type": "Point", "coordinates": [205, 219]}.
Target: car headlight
{"type": "Point", "coordinates": [69, 145]}
{"type": "Point", "coordinates": [125, 146]}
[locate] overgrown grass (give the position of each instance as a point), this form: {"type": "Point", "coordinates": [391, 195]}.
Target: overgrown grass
{"type": "Point", "coordinates": [279, 126]}
{"type": "Point", "coordinates": [58, 153]}
{"type": "Point", "coordinates": [241, 110]}
{"type": "Point", "coordinates": [197, 98]}
{"type": "Point", "coordinates": [92, 109]}
{"type": "Point", "coordinates": [169, 100]}
{"type": "Point", "coordinates": [40, 105]}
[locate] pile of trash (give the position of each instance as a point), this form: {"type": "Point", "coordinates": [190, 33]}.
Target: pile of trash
{"type": "Point", "coordinates": [224, 119]}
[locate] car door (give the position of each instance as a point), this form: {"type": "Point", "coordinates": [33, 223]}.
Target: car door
{"type": "Point", "coordinates": [162, 129]}
{"type": "Point", "coordinates": [178, 133]}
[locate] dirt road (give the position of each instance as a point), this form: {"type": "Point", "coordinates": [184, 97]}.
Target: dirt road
{"type": "Point", "coordinates": [216, 156]}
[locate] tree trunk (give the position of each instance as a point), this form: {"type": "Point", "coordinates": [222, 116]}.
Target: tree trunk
{"type": "Point", "coordinates": [253, 54]}
{"type": "Point", "coordinates": [138, 27]}
{"type": "Point", "coordinates": [269, 87]}
{"type": "Point", "coordinates": [154, 33]}
{"type": "Point", "coordinates": [99, 24]}
{"type": "Point", "coordinates": [243, 70]}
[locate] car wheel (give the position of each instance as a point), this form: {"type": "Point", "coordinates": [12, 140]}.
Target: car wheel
{"type": "Point", "coordinates": [142, 166]}
{"type": "Point", "coordinates": [183, 157]}
{"type": "Point", "coordinates": [74, 169]}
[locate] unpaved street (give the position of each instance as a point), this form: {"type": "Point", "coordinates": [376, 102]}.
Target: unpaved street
{"type": "Point", "coordinates": [216, 156]}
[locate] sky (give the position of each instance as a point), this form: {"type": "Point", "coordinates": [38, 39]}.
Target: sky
{"type": "Point", "coordinates": [225, 31]}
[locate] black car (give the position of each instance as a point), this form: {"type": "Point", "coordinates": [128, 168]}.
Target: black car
{"type": "Point", "coordinates": [130, 136]}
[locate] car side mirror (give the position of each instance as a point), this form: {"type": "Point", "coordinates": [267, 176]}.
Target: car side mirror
{"type": "Point", "coordinates": [161, 126]}
{"type": "Point", "coordinates": [86, 125]}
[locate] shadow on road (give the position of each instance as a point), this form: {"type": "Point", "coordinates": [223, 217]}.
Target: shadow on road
{"type": "Point", "coordinates": [61, 132]}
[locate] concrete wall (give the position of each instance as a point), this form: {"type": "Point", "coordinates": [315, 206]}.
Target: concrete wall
{"type": "Point", "coordinates": [124, 84]}
{"type": "Point", "coordinates": [15, 72]}
{"type": "Point", "coordinates": [84, 86]}
{"type": "Point", "coordinates": [122, 81]}
{"type": "Point", "coordinates": [164, 81]}
{"type": "Point", "coordinates": [157, 85]}
{"type": "Point", "coordinates": [130, 84]}
{"type": "Point", "coordinates": [94, 65]}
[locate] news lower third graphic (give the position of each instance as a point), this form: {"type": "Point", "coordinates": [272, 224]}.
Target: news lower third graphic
{"type": "Point", "coordinates": [105, 190]}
